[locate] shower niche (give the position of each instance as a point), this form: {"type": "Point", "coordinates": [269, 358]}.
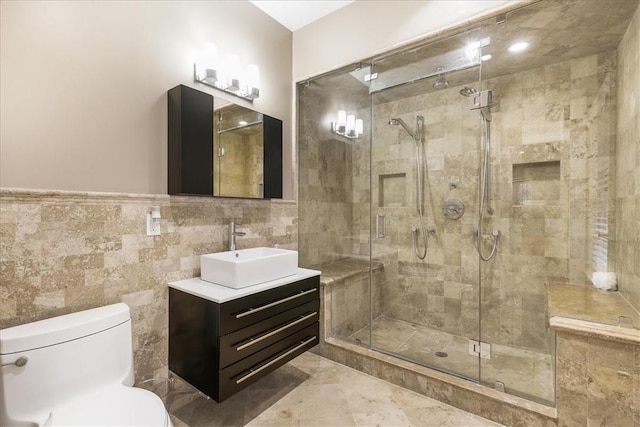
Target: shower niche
{"type": "Point", "coordinates": [536, 184]}
{"type": "Point", "coordinates": [392, 190]}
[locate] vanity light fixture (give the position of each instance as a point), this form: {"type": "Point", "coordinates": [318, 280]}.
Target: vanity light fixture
{"type": "Point", "coordinates": [347, 125]}
{"type": "Point", "coordinates": [228, 75]}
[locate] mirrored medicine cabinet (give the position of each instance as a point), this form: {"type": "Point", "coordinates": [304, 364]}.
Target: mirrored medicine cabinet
{"type": "Point", "coordinates": [221, 149]}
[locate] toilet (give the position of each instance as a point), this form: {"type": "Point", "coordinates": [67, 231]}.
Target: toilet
{"type": "Point", "coordinates": [74, 370]}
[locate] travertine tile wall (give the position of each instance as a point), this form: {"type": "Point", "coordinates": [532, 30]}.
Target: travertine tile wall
{"type": "Point", "coordinates": [62, 252]}
{"type": "Point", "coordinates": [598, 381]}
{"type": "Point", "coordinates": [628, 164]}
{"type": "Point", "coordinates": [325, 163]}
{"type": "Point", "coordinates": [563, 229]}
{"type": "Point", "coordinates": [442, 290]}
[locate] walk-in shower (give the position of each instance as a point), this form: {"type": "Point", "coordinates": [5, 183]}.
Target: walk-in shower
{"type": "Point", "coordinates": [512, 148]}
{"type": "Point", "coordinates": [418, 140]}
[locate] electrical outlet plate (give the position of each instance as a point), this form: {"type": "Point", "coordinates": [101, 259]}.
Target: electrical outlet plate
{"type": "Point", "coordinates": [153, 226]}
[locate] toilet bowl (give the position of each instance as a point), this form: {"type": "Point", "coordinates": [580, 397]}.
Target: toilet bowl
{"type": "Point", "coordinates": [74, 370]}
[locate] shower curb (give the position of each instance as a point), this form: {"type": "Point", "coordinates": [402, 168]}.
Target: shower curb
{"type": "Point", "coordinates": [468, 396]}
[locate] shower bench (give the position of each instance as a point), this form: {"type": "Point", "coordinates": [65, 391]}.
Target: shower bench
{"type": "Point", "coordinates": [598, 358]}
{"type": "Point", "coordinates": [344, 283]}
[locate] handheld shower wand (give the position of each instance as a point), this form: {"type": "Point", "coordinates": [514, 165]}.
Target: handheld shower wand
{"type": "Point", "coordinates": [417, 139]}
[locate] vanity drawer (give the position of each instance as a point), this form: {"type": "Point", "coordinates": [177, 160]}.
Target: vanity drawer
{"type": "Point", "coordinates": [255, 337]}
{"type": "Point", "coordinates": [256, 366]}
{"type": "Point", "coordinates": [254, 308]}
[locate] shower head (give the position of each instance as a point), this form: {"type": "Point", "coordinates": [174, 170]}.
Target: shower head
{"type": "Point", "coordinates": [441, 82]}
{"type": "Point", "coordinates": [397, 121]}
{"type": "Point", "coordinates": [467, 91]}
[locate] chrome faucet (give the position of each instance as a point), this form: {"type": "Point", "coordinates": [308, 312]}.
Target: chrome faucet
{"type": "Point", "coordinates": [232, 235]}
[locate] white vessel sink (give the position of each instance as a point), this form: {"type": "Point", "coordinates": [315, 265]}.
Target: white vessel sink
{"type": "Point", "coordinates": [248, 267]}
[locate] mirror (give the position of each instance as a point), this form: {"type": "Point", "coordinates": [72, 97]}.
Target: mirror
{"type": "Point", "coordinates": [217, 148]}
{"type": "Point", "coordinates": [238, 150]}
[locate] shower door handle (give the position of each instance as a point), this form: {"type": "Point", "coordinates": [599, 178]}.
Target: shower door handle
{"type": "Point", "coordinates": [381, 226]}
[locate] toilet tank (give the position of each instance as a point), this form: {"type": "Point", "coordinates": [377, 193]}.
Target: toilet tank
{"type": "Point", "coordinates": [67, 356]}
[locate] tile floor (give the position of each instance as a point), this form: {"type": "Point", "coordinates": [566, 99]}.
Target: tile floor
{"type": "Point", "coordinates": [523, 372]}
{"type": "Point", "coordinates": [314, 391]}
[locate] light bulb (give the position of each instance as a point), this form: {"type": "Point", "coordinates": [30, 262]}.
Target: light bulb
{"type": "Point", "coordinates": [211, 63]}
{"type": "Point", "coordinates": [342, 120]}
{"type": "Point", "coordinates": [351, 124]}
{"type": "Point", "coordinates": [359, 127]}
{"type": "Point", "coordinates": [253, 76]}
{"type": "Point", "coordinates": [233, 76]}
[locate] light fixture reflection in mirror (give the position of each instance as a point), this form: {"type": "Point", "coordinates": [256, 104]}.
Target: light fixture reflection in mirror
{"type": "Point", "coordinates": [347, 125]}
{"type": "Point", "coordinates": [228, 75]}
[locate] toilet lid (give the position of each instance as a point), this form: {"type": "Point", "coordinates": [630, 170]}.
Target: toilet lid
{"type": "Point", "coordinates": [116, 405]}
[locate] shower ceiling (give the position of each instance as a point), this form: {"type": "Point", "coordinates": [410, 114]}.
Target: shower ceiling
{"type": "Point", "coordinates": [556, 30]}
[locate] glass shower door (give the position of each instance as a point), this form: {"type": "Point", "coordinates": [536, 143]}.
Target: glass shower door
{"type": "Point", "coordinates": [424, 181]}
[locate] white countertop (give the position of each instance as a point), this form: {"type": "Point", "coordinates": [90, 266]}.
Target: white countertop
{"type": "Point", "coordinates": [218, 293]}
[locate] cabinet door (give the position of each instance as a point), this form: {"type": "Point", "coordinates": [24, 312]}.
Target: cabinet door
{"type": "Point", "coordinates": [272, 157]}
{"type": "Point", "coordinates": [190, 138]}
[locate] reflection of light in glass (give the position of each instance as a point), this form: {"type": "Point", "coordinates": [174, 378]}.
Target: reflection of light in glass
{"type": "Point", "coordinates": [347, 125]}
{"type": "Point", "coordinates": [486, 57]}
{"type": "Point", "coordinates": [472, 50]}
{"type": "Point", "coordinates": [243, 123]}
{"type": "Point", "coordinates": [518, 47]}
{"type": "Point", "coordinates": [342, 120]}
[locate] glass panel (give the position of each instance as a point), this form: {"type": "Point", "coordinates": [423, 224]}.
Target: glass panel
{"type": "Point", "coordinates": [334, 196]}
{"type": "Point", "coordinates": [433, 60]}
{"type": "Point", "coordinates": [425, 151]}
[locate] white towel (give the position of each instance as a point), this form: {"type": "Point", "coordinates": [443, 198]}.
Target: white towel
{"type": "Point", "coordinates": [604, 280]}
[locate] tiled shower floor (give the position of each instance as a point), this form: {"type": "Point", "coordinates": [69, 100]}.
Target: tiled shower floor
{"type": "Point", "coordinates": [525, 373]}
{"type": "Point", "coordinates": [314, 391]}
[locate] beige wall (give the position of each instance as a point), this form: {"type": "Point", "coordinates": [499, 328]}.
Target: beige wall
{"type": "Point", "coordinates": [628, 164]}
{"type": "Point", "coordinates": [364, 28]}
{"type": "Point", "coordinates": [84, 84]}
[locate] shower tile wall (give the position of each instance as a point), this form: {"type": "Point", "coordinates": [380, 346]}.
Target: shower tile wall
{"type": "Point", "coordinates": [440, 292]}
{"type": "Point", "coordinates": [555, 135]}
{"type": "Point", "coordinates": [325, 204]}
{"type": "Point", "coordinates": [628, 164]}
{"type": "Point", "coordinates": [553, 147]}
{"type": "Point", "coordinates": [62, 252]}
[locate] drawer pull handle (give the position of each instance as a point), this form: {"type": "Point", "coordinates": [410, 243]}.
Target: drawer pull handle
{"type": "Point", "coordinates": [277, 359]}
{"type": "Point", "coordinates": [276, 331]}
{"type": "Point", "coordinates": [264, 307]}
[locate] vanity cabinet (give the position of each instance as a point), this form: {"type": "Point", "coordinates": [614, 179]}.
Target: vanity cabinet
{"type": "Point", "coordinates": [216, 148]}
{"type": "Point", "coordinates": [222, 347]}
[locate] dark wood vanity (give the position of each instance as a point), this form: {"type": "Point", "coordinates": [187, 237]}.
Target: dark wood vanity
{"type": "Point", "coordinates": [220, 344]}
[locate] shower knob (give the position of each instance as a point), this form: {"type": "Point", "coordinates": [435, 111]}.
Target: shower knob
{"type": "Point", "coordinates": [453, 209]}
